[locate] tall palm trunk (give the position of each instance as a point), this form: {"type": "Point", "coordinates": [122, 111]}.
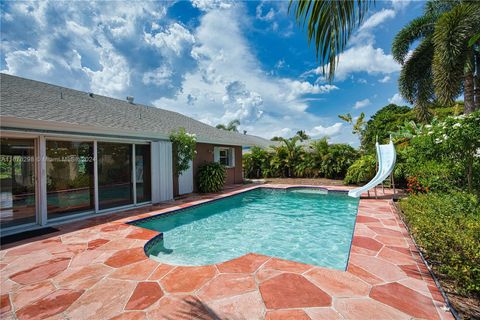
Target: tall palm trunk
{"type": "Point", "coordinates": [476, 81]}
{"type": "Point", "coordinates": [468, 93]}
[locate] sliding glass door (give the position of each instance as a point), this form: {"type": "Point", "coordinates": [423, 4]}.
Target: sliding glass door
{"type": "Point", "coordinates": [115, 179]}
{"type": "Point", "coordinates": [143, 173]}
{"type": "Point", "coordinates": [70, 179]}
{"type": "Point", "coordinates": [17, 182]}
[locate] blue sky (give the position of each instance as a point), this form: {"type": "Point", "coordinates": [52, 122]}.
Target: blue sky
{"type": "Point", "coordinates": [212, 60]}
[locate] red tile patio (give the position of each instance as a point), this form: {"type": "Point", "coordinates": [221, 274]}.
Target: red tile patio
{"type": "Point", "coordinates": [97, 269]}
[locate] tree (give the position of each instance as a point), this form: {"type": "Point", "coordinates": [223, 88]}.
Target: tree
{"type": "Point", "coordinates": [455, 63]}
{"type": "Point", "coordinates": [302, 135]}
{"type": "Point", "coordinates": [441, 64]}
{"type": "Point", "coordinates": [231, 126]}
{"type": "Point", "coordinates": [330, 24]}
{"type": "Point", "coordinates": [292, 153]}
{"type": "Point", "coordinates": [358, 126]}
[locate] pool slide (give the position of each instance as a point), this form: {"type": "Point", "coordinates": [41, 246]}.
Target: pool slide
{"type": "Point", "coordinates": [386, 156]}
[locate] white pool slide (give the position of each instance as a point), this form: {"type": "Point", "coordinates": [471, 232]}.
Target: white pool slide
{"type": "Point", "coordinates": [386, 156]}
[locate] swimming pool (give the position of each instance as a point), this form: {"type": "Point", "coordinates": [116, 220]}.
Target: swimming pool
{"type": "Point", "coordinates": [299, 224]}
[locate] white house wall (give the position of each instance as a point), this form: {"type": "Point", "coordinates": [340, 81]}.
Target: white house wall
{"type": "Point", "coordinates": [185, 181]}
{"type": "Point", "coordinates": [162, 173]}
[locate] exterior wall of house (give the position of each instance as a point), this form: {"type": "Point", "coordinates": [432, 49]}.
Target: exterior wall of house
{"type": "Point", "coordinates": [205, 154]}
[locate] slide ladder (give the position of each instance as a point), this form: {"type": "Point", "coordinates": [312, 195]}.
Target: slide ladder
{"type": "Point", "coordinates": [386, 156]}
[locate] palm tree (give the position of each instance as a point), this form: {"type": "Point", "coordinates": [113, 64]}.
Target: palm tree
{"type": "Point", "coordinates": [444, 31]}
{"type": "Point", "coordinates": [359, 125]}
{"type": "Point", "coordinates": [455, 63]}
{"type": "Point", "coordinates": [329, 24]}
{"type": "Point", "coordinates": [302, 135]}
{"type": "Point", "coordinates": [292, 153]}
{"type": "Point", "coordinates": [231, 126]}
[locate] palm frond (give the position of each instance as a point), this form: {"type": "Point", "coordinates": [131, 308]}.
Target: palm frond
{"type": "Point", "coordinates": [453, 56]}
{"type": "Point", "coordinates": [417, 29]}
{"type": "Point", "coordinates": [329, 25]}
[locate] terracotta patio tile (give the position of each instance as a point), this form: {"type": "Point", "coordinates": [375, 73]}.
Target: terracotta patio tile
{"type": "Point", "coordinates": [126, 257]}
{"type": "Point", "coordinates": [181, 307]}
{"type": "Point", "coordinates": [287, 315]}
{"type": "Point", "coordinates": [264, 273]}
{"type": "Point", "coordinates": [144, 295]}
{"type": "Point", "coordinates": [395, 257]}
{"type": "Point", "coordinates": [248, 306]}
{"type": "Point", "coordinates": [136, 271]}
{"type": "Point", "coordinates": [392, 241]}
{"type": "Point", "coordinates": [248, 263]}
{"type": "Point", "coordinates": [119, 244]}
{"type": "Point", "coordinates": [386, 232]}
{"type": "Point", "coordinates": [405, 299]}
{"type": "Point", "coordinates": [412, 271]}
{"type": "Point", "coordinates": [366, 219]}
{"type": "Point", "coordinates": [82, 277]}
{"type": "Point", "coordinates": [418, 285]}
{"type": "Point", "coordinates": [132, 315]}
{"type": "Point", "coordinates": [142, 234]}
{"type": "Point", "coordinates": [367, 309]}
{"type": "Point", "coordinates": [49, 305]}
{"type": "Point", "coordinates": [401, 249]}
{"type": "Point", "coordinates": [96, 243]}
{"type": "Point", "coordinates": [227, 285]}
{"type": "Point", "coordinates": [378, 267]}
{"type": "Point", "coordinates": [367, 243]}
{"type": "Point", "coordinates": [290, 290]}
{"type": "Point", "coordinates": [43, 271]}
{"type": "Point", "coordinates": [358, 250]}
{"type": "Point", "coordinates": [187, 279]}
{"type": "Point", "coordinates": [28, 294]}
{"type": "Point", "coordinates": [114, 227]}
{"type": "Point", "coordinates": [5, 305]}
{"type": "Point", "coordinates": [363, 274]}
{"type": "Point", "coordinates": [103, 301]}
{"type": "Point", "coordinates": [338, 283]}
{"type": "Point", "coordinates": [323, 314]}
{"type": "Point", "coordinates": [161, 271]}
{"type": "Point", "coordinates": [286, 265]}
{"type": "Point", "coordinates": [436, 295]}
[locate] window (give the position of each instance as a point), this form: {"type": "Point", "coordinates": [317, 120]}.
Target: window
{"type": "Point", "coordinates": [115, 181]}
{"type": "Point", "coordinates": [69, 177]}
{"type": "Point", "coordinates": [17, 182]}
{"type": "Point", "coordinates": [225, 156]}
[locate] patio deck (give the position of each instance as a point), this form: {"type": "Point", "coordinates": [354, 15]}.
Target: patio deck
{"type": "Point", "coordinates": [97, 269]}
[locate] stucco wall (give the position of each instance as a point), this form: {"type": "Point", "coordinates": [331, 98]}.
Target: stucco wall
{"type": "Point", "coordinates": [205, 155]}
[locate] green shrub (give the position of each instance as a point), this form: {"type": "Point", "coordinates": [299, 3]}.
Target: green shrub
{"type": "Point", "coordinates": [211, 177]}
{"type": "Point", "coordinates": [446, 226]}
{"type": "Point", "coordinates": [362, 170]}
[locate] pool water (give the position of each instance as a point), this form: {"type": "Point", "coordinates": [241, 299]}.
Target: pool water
{"type": "Point", "coordinates": [304, 225]}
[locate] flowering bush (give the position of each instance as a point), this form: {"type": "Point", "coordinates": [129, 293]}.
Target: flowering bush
{"type": "Point", "coordinates": [183, 145]}
{"type": "Point", "coordinates": [447, 152]}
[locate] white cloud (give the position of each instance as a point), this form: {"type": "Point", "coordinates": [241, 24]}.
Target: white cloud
{"type": "Point", "coordinates": [160, 76]}
{"type": "Point", "coordinates": [377, 19]}
{"type": "Point", "coordinates": [385, 79]}
{"type": "Point", "coordinates": [207, 5]}
{"type": "Point", "coordinates": [362, 103]}
{"type": "Point", "coordinates": [364, 58]}
{"type": "Point", "coordinates": [175, 38]}
{"type": "Point", "coordinates": [320, 131]}
{"type": "Point", "coordinates": [229, 83]}
{"type": "Point", "coordinates": [397, 99]}
{"type": "Point", "coordinates": [265, 17]}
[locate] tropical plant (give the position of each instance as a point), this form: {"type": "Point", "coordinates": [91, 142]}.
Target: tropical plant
{"type": "Point", "coordinates": [330, 25]}
{"type": "Point", "coordinates": [362, 170]}
{"type": "Point", "coordinates": [359, 126]}
{"type": "Point", "coordinates": [256, 163]}
{"type": "Point", "coordinates": [302, 135]}
{"type": "Point", "coordinates": [292, 153]}
{"type": "Point", "coordinates": [442, 63]}
{"type": "Point", "coordinates": [211, 177]}
{"type": "Point", "coordinates": [183, 149]}
{"type": "Point", "coordinates": [231, 126]}
{"type": "Point", "coordinates": [455, 63]}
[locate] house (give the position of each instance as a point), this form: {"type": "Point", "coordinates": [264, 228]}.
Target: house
{"type": "Point", "coordinates": [67, 154]}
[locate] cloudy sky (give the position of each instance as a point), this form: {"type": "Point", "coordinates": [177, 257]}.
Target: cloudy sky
{"type": "Point", "coordinates": [212, 60]}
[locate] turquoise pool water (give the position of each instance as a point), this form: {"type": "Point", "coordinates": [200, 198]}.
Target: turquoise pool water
{"type": "Point", "coordinates": [302, 225]}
